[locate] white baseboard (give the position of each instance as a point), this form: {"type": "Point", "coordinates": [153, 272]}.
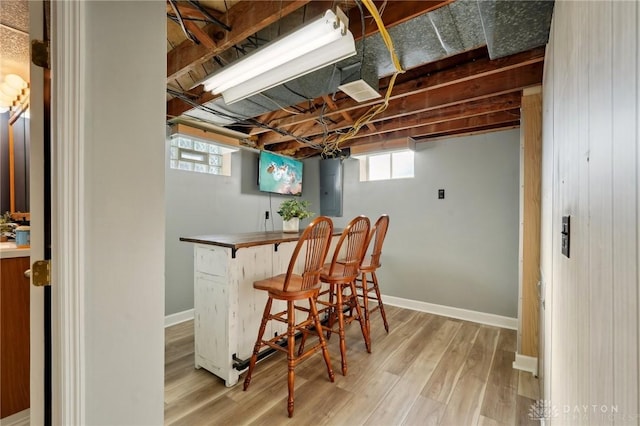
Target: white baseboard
{"type": "Point", "coordinates": [21, 418]}
{"type": "Point", "coordinates": [526, 363]}
{"type": "Point", "coordinates": [448, 311]}
{"type": "Point", "coordinates": [432, 308]}
{"type": "Point", "coordinates": [178, 317]}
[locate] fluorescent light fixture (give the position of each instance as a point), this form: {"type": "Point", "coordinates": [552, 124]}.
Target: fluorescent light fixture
{"type": "Point", "coordinates": [321, 42]}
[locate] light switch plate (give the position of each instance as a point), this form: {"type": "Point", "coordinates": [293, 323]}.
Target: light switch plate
{"type": "Point", "coordinates": [566, 235]}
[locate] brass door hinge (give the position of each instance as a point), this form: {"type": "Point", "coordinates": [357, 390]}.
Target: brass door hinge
{"type": "Point", "coordinates": [41, 273]}
{"type": "Point", "coordinates": [40, 53]}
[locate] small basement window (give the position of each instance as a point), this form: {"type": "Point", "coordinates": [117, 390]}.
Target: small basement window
{"type": "Point", "coordinates": [385, 166]}
{"type": "Point", "coordinates": [196, 155]}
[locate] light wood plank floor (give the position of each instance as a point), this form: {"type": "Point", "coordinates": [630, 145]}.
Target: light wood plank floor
{"type": "Point", "coordinates": [429, 370]}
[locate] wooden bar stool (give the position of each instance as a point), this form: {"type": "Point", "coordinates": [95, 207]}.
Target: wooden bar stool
{"type": "Point", "coordinates": [341, 275]}
{"type": "Point", "coordinates": [292, 287]}
{"type": "Point", "coordinates": [369, 266]}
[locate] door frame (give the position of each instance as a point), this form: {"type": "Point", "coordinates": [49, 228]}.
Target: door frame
{"type": "Point", "coordinates": [67, 216]}
{"type": "Point", "coordinates": [98, 352]}
{"type": "Point", "coordinates": [36, 207]}
{"type": "Point", "coordinates": [67, 211]}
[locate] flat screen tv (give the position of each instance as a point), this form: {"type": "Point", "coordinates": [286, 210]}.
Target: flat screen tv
{"type": "Point", "coordinates": [279, 174]}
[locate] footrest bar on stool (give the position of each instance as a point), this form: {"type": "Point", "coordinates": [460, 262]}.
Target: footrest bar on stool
{"type": "Point", "coordinates": [241, 364]}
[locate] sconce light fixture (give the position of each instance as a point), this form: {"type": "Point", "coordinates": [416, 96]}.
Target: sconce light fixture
{"type": "Point", "coordinates": [320, 42]}
{"type": "Point", "coordinates": [14, 94]}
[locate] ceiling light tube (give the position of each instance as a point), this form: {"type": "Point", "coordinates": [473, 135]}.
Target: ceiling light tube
{"type": "Point", "coordinates": [298, 67]}
{"type": "Point", "coordinates": [321, 42]}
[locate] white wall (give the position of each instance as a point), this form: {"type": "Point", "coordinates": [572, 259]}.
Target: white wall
{"type": "Point", "coordinates": [461, 251]}
{"type": "Point", "coordinates": [202, 204]}
{"type": "Point", "coordinates": [124, 121]}
{"type": "Point", "coordinates": [590, 172]}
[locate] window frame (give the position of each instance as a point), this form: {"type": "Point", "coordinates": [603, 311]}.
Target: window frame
{"type": "Point", "coordinates": [365, 163]}
{"type": "Point", "coordinates": [222, 151]}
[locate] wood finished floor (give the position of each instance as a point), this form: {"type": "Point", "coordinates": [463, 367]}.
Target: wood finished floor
{"type": "Point", "coordinates": [429, 370]}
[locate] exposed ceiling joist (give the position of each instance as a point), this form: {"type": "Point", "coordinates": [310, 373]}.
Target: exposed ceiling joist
{"type": "Point", "coordinates": [423, 130]}
{"type": "Point", "coordinates": [454, 89]}
{"type": "Point", "coordinates": [433, 92]}
{"type": "Point", "coordinates": [509, 102]}
{"type": "Point", "coordinates": [244, 20]}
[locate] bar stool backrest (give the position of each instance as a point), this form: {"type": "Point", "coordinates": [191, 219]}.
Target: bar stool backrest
{"type": "Point", "coordinates": [315, 239]}
{"type": "Point", "coordinates": [378, 233]}
{"type": "Point", "coordinates": [355, 236]}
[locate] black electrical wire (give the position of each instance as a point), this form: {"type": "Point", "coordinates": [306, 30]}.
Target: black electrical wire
{"type": "Point", "coordinates": [206, 13]}
{"type": "Point", "coordinates": [363, 38]}
{"type": "Point", "coordinates": [181, 22]}
{"type": "Point", "coordinates": [246, 120]}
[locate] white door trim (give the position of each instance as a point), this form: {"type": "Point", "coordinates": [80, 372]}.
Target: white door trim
{"type": "Point", "coordinates": [67, 212]}
{"type": "Point", "coordinates": [36, 206]}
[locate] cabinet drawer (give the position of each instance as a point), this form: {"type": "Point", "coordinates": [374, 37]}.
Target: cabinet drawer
{"type": "Point", "coordinates": [211, 260]}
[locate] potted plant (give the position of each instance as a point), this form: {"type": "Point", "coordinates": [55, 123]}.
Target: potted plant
{"type": "Point", "coordinates": [6, 226]}
{"type": "Point", "coordinates": [292, 211]}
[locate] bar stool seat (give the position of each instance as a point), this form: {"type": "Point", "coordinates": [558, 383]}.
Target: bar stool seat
{"type": "Point", "coordinates": [274, 285]}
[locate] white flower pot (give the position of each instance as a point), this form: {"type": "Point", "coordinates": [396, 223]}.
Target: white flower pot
{"type": "Point", "coordinates": [291, 225]}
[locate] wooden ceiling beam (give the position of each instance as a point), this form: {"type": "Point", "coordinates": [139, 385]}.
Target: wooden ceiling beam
{"type": "Point", "coordinates": [469, 132]}
{"type": "Point", "coordinates": [467, 123]}
{"type": "Point", "coordinates": [245, 18]}
{"type": "Point", "coordinates": [500, 83]}
{"type": "Point", "coordinates": [189, 11]}
{"type": "Point", "coordinates": [305, 151]}
{"type": "Point", "coordinates": [176, 107]}
{"type": "Point", "coordinates": [451, 113]}
{"type": "Point", "coordinates": [396, 113]}
{"type": "Point", "coordinates": [198, 33]}
{"type": "Point", "coordinates": [473, 72]}
{"type": "Point", "coordinates": [422, 71]}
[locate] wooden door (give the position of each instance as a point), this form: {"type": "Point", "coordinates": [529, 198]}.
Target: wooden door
{"type": "Point", "coordinates": [14, 336]}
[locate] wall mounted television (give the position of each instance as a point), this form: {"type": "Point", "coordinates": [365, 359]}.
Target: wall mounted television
{"type": "Point", "coordinates": [279, 174]}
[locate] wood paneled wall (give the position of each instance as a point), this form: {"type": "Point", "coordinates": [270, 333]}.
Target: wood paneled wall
{"type": "Point", "coordinates": [590, 123]}
{"type": "Point", "coordinates": [531, 136]}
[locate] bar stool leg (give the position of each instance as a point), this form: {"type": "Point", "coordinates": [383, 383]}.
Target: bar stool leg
{"type": "Point", "coordinates": [361, 320]}
{"type": "Point", "coordinates": [291, 359]}
{"type": "Point", "coordinates": [365, 303]}
{"type": "Point", "coordinates": [343, 345]}
{"type": "Point", "coordinates": [380, 305]}
{"type": "Point", "coordinates": [331, 313]}
{"type": "Point", "coordinates": [323, 342]}
{"type": "Point", "coordinates": [258, 345]}
{"type": "Point", "coordinates": [303, 338]}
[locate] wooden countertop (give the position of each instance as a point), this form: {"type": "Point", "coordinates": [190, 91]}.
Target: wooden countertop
{"type": "Point", "coordinates": [248, 239]}
{"type": "Point", "coordinates": [9, 250]}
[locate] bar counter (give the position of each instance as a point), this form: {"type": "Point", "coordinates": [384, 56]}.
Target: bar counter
{"type": "Point", "coordinates": [227, 309]}
{"type": "Point", "coordinates": [248, 239]}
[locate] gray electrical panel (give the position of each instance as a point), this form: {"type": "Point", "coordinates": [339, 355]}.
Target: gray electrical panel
{"type": "Point", "coordinates": [331, 187]}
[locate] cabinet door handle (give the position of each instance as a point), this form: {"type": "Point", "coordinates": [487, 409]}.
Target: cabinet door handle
{"type": "Point", "coordinates": [27, 273]}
